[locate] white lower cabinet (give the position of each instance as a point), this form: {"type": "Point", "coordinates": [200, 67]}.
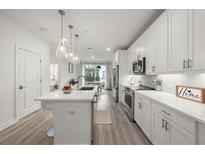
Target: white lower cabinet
{"type": "Point", "coordinates": [158, 132]}
{"type": "Point", "coordinates": [147, 120]}
{"type": "Point", "coordinates": [178, 136]}
{"type": "Point", "coordinates": [163, 125]}
{"type": "Point", "coordinates": [143, 116]}
{"type": "Point", "coordinates": [200, 134]}
{"type": "Point", "coordinates": [167, 132]}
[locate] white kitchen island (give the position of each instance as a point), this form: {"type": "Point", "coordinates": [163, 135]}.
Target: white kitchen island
{"type": "Point", "coordinates": [72, 115]}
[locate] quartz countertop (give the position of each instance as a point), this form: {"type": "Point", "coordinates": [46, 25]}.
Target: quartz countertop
{"type": "Point", "coordinates": [189, 108]}
{"type": "Point", "coordinates": [74, 96]}
{"type": "Point", "coordinates": [134, 86]}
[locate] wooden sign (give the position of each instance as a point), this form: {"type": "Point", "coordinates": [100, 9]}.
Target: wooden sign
{"type": "Point", "coordinates": [191, 93]}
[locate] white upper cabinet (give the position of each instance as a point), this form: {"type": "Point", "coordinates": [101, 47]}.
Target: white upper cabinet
{"type": "Point", "coordinates": [178, 39]}
{"type": "Point", "coordinates": [156, 46]}
{"type": "Point", "coordinates": [197, 61]}
{"type": "Point", "coordinates": [173, 43]}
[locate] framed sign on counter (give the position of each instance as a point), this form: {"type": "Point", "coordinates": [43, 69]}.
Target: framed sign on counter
{"type": "Point", "coordinates": [191, 93]}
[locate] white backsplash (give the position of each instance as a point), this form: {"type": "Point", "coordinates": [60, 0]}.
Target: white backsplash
{"type": "Point", "coordinates": [169, 81]}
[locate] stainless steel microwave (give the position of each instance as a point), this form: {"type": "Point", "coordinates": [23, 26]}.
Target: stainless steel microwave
{"type": "Point", "coordinates": [138, 66]}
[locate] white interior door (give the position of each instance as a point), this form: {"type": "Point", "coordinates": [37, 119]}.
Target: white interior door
{"type": "Point", "coordinates": [28, 82]}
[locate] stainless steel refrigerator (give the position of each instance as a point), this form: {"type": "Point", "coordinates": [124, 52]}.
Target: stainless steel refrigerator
{"type": "Point", "coordinates": [115, 87]}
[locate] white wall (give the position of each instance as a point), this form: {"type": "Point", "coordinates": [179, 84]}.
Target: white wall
{"type": "Point", "coordinates": [11, 34]}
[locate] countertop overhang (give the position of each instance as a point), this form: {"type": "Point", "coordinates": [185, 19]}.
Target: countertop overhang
{"type": "Point", "coordinates": [74, 96]}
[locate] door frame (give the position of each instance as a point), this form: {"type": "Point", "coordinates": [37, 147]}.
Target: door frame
{"type": "Point", "coordinates": [17, 48]}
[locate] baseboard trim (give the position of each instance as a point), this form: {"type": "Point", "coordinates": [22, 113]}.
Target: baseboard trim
{"type": "Point", "coordinates": [7, 124]}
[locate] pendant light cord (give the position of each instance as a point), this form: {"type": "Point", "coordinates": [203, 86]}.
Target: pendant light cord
{"type": "Point", "coordinates": [61, 27]}
{"type": "Point", "coordinates": [76, 47]}
{"type": "Point", "coordinates": [71, 45]}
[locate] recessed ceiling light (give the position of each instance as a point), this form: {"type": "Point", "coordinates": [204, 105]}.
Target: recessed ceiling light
{"type": "Point", "coordinates": [86, 30]}
{"type": "Point", "coordinates": [90, 48]}
{"type": "Point", "coordinates": [108, 49]}
{"type": "Point", "coordinates": [92, 57]}
{"type": "Point", "coordinates": [42, 29]}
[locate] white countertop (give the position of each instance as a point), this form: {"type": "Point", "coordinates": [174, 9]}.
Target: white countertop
{"type": "Point", "coordinates": [134, 86]}
{"type": "Point", "coordinates": [192, 109]}
{"type": "Point", "coordinates": [74, 96]}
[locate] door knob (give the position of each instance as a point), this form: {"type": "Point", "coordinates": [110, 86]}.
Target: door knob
{"type": "Point", "coordinates": [21, 87]}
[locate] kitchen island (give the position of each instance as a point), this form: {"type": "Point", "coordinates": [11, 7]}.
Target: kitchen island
{"type": "Point", "coordinates": [73, 115]}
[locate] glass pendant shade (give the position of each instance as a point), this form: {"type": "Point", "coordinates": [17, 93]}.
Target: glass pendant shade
{"type": "Point", "coordinates": [61, 49]}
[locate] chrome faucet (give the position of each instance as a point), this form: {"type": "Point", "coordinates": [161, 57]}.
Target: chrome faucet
{"type": "Point", "coordinates": [81, 76]}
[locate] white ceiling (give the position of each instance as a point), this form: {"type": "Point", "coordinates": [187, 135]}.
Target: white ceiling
{"type": "Point", "coordinates": [116, 29]}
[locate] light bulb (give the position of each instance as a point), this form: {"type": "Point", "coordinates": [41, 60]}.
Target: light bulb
{"type": "Point", "coordinates": [61, 48]}
{"type": "Point", "coordinates": [71, 54]}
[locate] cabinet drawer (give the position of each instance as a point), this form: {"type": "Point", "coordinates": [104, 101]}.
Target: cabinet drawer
{"type": "Point", "coordinates": [142, 99]}
{"type": "Point", "coordinates": [176, 117]}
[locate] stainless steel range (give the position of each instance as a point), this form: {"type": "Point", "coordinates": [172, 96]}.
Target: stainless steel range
{"type": "Point", "coordinates": [130, 98]}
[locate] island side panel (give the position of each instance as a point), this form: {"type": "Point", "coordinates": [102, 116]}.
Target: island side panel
{"type": "Point", "coordinates": [72, 122]}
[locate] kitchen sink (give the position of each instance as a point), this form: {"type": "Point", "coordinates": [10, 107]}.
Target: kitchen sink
{"type": "Point", "coordinates": [86, 88]}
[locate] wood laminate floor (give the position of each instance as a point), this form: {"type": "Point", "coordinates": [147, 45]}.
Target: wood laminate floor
{"type": "Point", "coordinates": [32, 129]}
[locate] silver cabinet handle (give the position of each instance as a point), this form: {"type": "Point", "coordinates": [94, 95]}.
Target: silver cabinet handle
{"type": "Point", "coordinates": [166, 113]}
{"type": "Point", "coordinates": [153, 68]}
{"type": "Point", "coordinates": [140, 98]}
{"type": "Point", "coordinates": [21, 87]}
{"type": "Point", "coordinates": [189, 63]}
{"type": "Point", "coordinates": [163, 122]}
{"type": "Point", "coordinates": [166, 126]}
{"type": "Point", "coordinates": [184, 63]}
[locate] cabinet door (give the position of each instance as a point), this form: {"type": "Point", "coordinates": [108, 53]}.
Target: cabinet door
{"type": "Point", "coordinates": [178, 34]}
{"type": "Point", "coordinates": [198, 55]}
{"type": "Point", "coordinates": [156, 46]}
{"type": "Point", "coordinates": [138, 113]}
{"type": "Point", "coordinates": [149, 50]}
{"type": "Point", "coordinates": [147, 120]}
{"type": "Point", "coordinates": [178, 136]}
{"type": "Point", "coordinates": [160, 42]}
{"type": "Point", "coordinates": [158, 132]}
{"type": "Point", "coordinates": [130, 61]}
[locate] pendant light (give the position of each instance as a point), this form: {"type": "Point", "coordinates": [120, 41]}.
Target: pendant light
{"type": "Point", "coordinates": [71, 56]}
{"type": "Point", "coordinates": [61, 50]}
{"type": "Point", "coordinates": [76, 59]}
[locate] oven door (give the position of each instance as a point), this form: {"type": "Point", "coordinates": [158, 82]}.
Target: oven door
{"type": "Point", "coordinates": [129, 104]}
